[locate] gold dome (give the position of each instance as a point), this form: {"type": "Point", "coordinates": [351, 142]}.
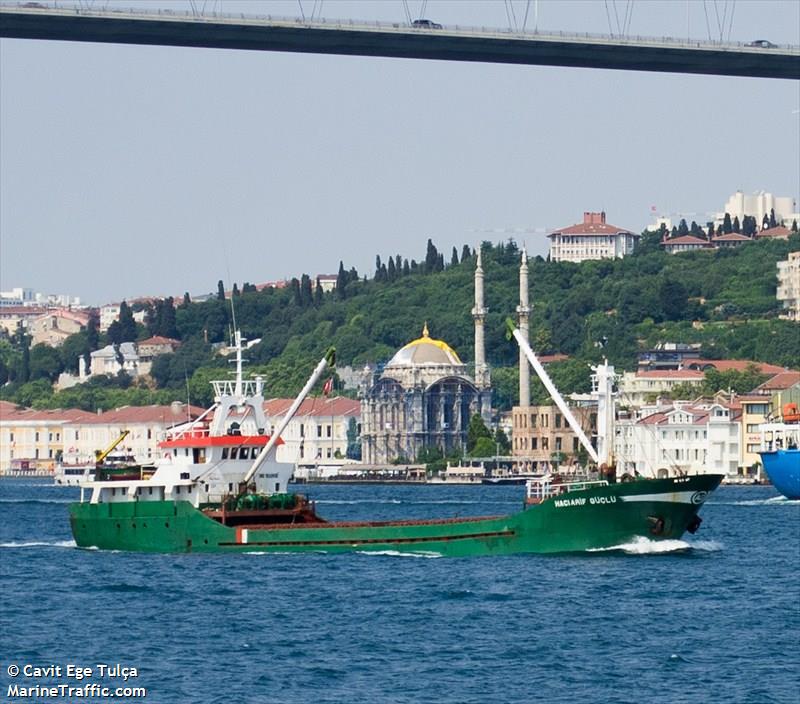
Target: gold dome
{"type": "Point", "coordinates": [423, 351]}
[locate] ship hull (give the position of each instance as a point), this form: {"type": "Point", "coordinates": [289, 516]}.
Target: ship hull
{"type": "Point", "coordinates": [599, 517]}
{"type": "Point", "coordinates": [783, 469]}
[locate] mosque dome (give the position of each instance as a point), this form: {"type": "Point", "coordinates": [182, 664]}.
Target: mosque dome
{"type": "Point", "coordinates": [424, 351]}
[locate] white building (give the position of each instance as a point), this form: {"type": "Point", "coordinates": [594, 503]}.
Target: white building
{"type": "Point", "coordinates": [758, 205]}
{"type": "Point", "coordinates": [111, 361]}
{"type": "Point", "coordinates": [318, 431]}
{"type": "Point", "coordinates": [147, 426]}
{"type": "Point", "coordinates": [789, 286]}
{"type": "Point", "coordinates": [642, 387]}
{"type": "Point", "coordinates": [594, 238]}
{"type": "Point", "coordinates": [693, 439]}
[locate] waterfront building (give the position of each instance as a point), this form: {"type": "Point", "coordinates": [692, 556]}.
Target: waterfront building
{"type": "Point", "coordinates": [542, 438]}
{"type": "Point", "coordinates": [755, 410]}
{"type": "Point", "coordinates": [147, 426]}
{"type": "Point", "coordinates": [695, 438]}
{"type": "Point", "coordinates": [594, 238]}
{"type": "Point", "coordinates": [33, 440]}
{"type": "Point", "coordinates": [318, 433]}
{"type": "Point", "coordinates": [775, 233]}
{"type": "Point", "coordinates": [11, 317]}
{"type": "Point", "coordinates": [788, 292]}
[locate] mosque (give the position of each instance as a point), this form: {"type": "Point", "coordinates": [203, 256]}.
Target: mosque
{"type": "Point", "coordinates": [425, 395]}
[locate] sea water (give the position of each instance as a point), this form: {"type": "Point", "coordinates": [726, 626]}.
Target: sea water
{"type": "Point", "coordinates": [711, 618]}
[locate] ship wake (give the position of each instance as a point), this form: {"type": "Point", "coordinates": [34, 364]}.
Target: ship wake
{"type": "Point", "coordinates": [645, 546]}
{"type": "Point", "coordinates": [40, 544]}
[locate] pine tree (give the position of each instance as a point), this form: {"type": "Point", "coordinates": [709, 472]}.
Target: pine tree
{"type": "Point", "coordinates": [398, 264]}
{"type": "Point", "coordinates": [772, 221]}
{"type": "Point", "coordinates": [377, 276]}
{"type": "Point", "coordinates": [683, 228]}
{"type": "Point", "coordinates": [765, 222]}
{"type": "Point", "coordinates": [736, 225]}
{"type": "Point", "coordinates": [186, 300]}
{"type": "Point", "coordinates": [794, 226]}
{"type": "Point", "coordinates": [306, 294]}
{"type": "Point", "coordinates": [127, 325]}
{"type": "Point", "coordinates": [727, 226]}
{"type": "Point", "coordinates": [294, 287]}
{"type": "Point", "coordinates": [454, 257]}
{"type": "Point", "coordinates": [341, 282]}
{"type": "Point", "coordinates": [391, 271]}
{"type": "Point", "coordinates": [319, 294]}
{"type": "Point", "coordinates": [235, 291]}
{"type": "Point", "coordinates": [220, 290]}
{"type": "Point", "coordinates": [709, 230]}
{"type": "Point", "coordinates": [407, 268]}
{"type": "Point", "coordinates": [466, 253]}
{"type": "Point", "coordinates": [431, 257]}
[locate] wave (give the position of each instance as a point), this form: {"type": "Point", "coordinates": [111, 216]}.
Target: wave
{"type": "Point", "coordinates": [645, 546]}
{"type": "Point", "coordinates": [771, 501]}
{"type": "Point", "coordinates": [40, 544]}
{"type": "Point", "coordinates": [397, 553]}
{"type": "Point", "coordinates": [37, 501]}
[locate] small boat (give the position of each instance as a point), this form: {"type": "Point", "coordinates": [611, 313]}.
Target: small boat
{"type": "Point", "coordinates": [75, 473]}
{"type": "Point", "coordinates": [218, 488]}
{"type": "Point", "coordinates": [780, 454]}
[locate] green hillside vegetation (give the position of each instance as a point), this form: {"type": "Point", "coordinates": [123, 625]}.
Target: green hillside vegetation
{"type": "Point", "coordinates": [723, 299]}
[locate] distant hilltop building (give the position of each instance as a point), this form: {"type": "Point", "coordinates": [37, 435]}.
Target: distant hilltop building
{"type": "Point", "coordinates": [594, 238]}
{"type": "Point", "coordinates": [758, 205]}
{"type": "Point", "coordinates": [28, 297]}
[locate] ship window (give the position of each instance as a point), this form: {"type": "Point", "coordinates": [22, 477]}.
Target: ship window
{"type": "Point", "coordinates": [224, 453]}
{"type": "Point", "coordinates": [244, 453]}
{"type": "Point", "coordinates": [150, 490]}
{"type": "Point", "coordinates": [234, 452]}
{"type": "Point", "coordinates": [277, 486]}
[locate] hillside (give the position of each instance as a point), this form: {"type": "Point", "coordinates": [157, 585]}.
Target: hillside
{"type": "Point", "coordinates": [724, 299]}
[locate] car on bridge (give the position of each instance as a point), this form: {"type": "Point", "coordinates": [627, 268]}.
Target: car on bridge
{"type": "Point", "coordinates": [763, 43]}
{"type": "Point", "coordinates": [425, 24]}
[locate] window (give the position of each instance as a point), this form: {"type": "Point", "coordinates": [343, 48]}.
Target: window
{"type": "Point", "coordinates": [545, 444]}
{"type": "Point", "coordinates": [37, 436]}
{"type": "Point", "coordinates": [244, 453]}
{"type": "Point", "coordinates": [534, 441]}
{"type": "Point", "coordinates": [753, 448]}
{"type": "Point", "coordinates": [533, 420]}
{"type": "Point", "coordinates": [558, 420]}
{"type": "Point", "coordinates": [327, 431]}
{"type": "Point", "coordinates": [224, 453]}
{"type": "Point", "coordinates": [234, 452]}
{"type": "Point", "coordinates": [319, 431]}
{"type": "Point", "coordinates": [558, 444]}
{"type": "Point", "coordinates": [752, 427]}
{"type": "Point", "coordinates": [758, 408]}
{"type": "Point", "coordinates": [302, 430]}
{"type": "Point", "coordinates": [149, 434]}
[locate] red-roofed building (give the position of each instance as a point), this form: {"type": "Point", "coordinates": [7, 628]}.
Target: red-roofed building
{"type": "Point", "coordinates": [732, 239]}
{"type": "Point", "coordinates": [725, 365]}
{"type": "Point", "coordinates": [686, 437]}
{"type": "Point", "coordinates": [594, 238]}
{"type": "Point", "coordinates": [147, 426]}
{"type": "Point", "coordinates": [685, 243]}
{"type": "Point", "coordinates": [779, 233]}
{"type": "Point", "coordinates": [318, 431]}
{"type": "Point", "coordinates": [779, 382]}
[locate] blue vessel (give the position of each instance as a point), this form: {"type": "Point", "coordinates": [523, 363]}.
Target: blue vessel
{"type": "Point", "coordinates": [781, 456]}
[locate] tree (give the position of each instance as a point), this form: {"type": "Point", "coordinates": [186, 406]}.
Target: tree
{"type": "Point", "coordinates": [736, 224]}
{"type": "Point", "coordinates": [683, 228]}
{"type": "Point", "coordinates": [794, 226]}
{"type": "Point", "coordinates": [466, 253]}
{"type": "Point", "coordinates": [235, 290]}
{"type": "Point", "coordinates": [127, 325]}
{"type": "Point", "coordinates": [477, 429]}
{"type": "Point", "coordinates": [727, 226]}
{"type": "Point", "coordinates": [431, 258]}
{"type": "Point", "coordinates": [391, 271]}
{"type": "Point", "coordinates": [772, 221]}
{"type": "Point", "coordinates": [220, 290]}
{"type": "Point", "coordinates": [341, 282]}
{"type": "Point", "coordinates": [502, 442]}
{"type": "Point", "coordinates": [353, 440]}
{"type": "Point", "coordinates": [765, 222]}
{"type": "Point", "coordinates": [673, 299]}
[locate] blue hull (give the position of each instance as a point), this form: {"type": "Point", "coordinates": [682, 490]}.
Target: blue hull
{"type": "Point", "coordinates": [783, 469]}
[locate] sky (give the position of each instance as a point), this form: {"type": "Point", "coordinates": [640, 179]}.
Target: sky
{"type": "Point", "coordinates": [130, 171]}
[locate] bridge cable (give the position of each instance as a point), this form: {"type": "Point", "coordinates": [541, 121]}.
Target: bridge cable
{"type": "Point", "coordinates": [608, 17]}
{"type": "Point", "coordinates": [525, 19]}
{"type": "Point", "coordinates": [708, 26]}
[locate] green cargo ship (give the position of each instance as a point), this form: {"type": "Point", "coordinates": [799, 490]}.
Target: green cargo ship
{"type": "Point", "coordinates": [574, 516]}
{"type": "Point", "coordinates": [218, 488]}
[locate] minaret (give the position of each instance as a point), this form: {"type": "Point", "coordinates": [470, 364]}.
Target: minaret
{"type": "Point", "coordinates": [524, 312]}
{"type": "Point", "coordinates": [479, 316]}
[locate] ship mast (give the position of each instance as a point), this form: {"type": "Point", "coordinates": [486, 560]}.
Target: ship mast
{"type": "Point", "coordinates": [327, 361]}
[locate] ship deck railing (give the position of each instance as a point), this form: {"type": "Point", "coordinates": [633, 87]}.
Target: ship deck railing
{"type": "Point", "coordinates": [541, 488]}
